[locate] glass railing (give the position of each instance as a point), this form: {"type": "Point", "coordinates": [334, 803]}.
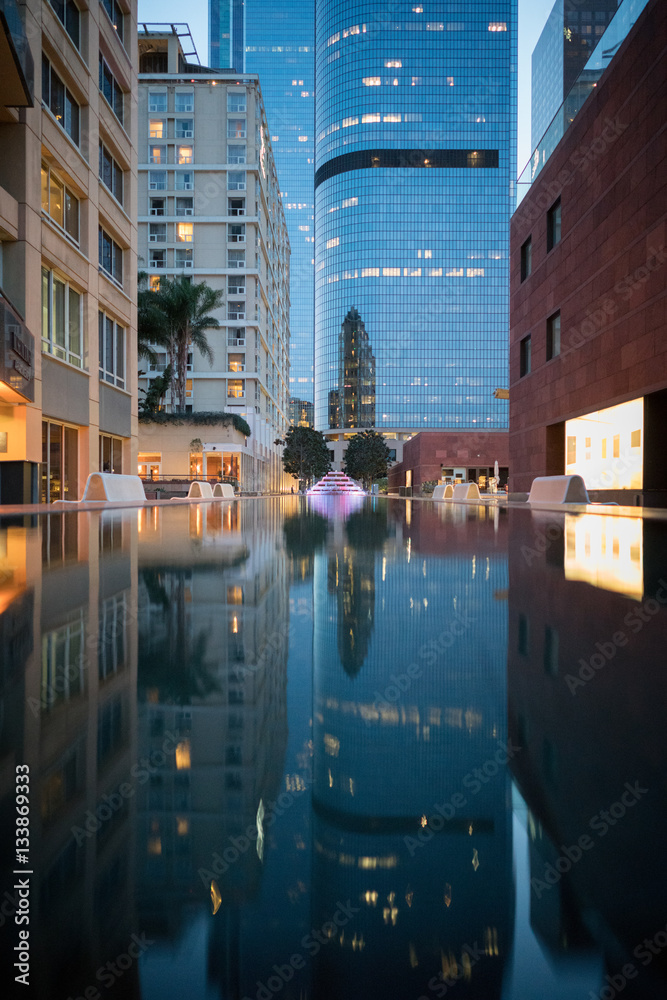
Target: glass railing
{"type": "Point", "coordinates": [12, 22]}
{"type": "Point", "coordinates": [610, 42]}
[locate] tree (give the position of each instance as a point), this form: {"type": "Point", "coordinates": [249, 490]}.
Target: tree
{"type": "Point", "coordinates": [151, 326]}
{"type": "Point", "coordinates": [367, 457]}
{"type": "Point", "coordinates": [306, 455]}
{"type": "Point", "coordinates": [155, 393]}
{"type": "Point", "coordinates": [177, 315]}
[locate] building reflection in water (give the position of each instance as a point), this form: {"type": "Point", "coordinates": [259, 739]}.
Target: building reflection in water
{"type": "Point", "coordinates": [213, 638]}
{"type": "Point", "coordinates": [587, 640]}
{"type": "Point", "coordinates": [69, 680]}
{"type": "Point", "coordinates": [405, 708]}
{"type": "Point", "coordinates": [352, 403]}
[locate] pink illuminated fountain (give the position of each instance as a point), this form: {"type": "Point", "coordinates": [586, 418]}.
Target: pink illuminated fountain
{"type": "Point", "coordinates": [336, 483]}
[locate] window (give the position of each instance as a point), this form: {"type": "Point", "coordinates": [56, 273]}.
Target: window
{"type": "Point", "coordinates": [60, 101]}
{"type": "Point", "coordinates": [523, 637]}
{"type": "Point", "coordinates": [524, 356]}
{"type": "Point", "coordinates": [184, 232]}
{"type": "Point", "coordinates": [111, 460]}
{"type": "Point", "coordinates": [157, 180]}
{"type": "Point", "coordinates": [157, 232]}
{"type": "Point", "coordinates": [236, 102]}
{"type": "Point", "coordinates": [115, 14]}
{"type": "Point", "coordinates": [184, 154]}
{"type": "Point", "coordinates": [236, 337]}
{"type": "Point", "coordinates": [236, 128]}
{"type": "Point", "coordinates": [185, 206]}
{"type": "Point", "coordinates": [112, 351]}
{"type": "Point", "coordinates": [183, 128]}
{"type": "Point", "coordinates": [236, 180]}
{"type": "Point", "coordinates": [62, 319]}
{"type": "Point", "coordinates": [553, 336]}
{"type": "Point", "coordinates": [236, 285]}
{"type": "Point", "coordinates": [237, 364]}
{"type": "Point", "coordinates": [111, 89]}
{"type": "Point", "coordinates": [236, 206]}
{"type": "Point", "coordinates": [553, 226]}
{"type": "Point", "coordinates": [157, 259]}
{"type": "Point", "coordinates": [157, 128]}
{"type": "Point", "coordinates": [154, 282]}
{"type": "Point", "coordinates": [157, 206]}
{"type": "Point", "coordinates": [157, 154]}
{"type": "Point", "coordinates": [184, 100]}
{"type": "Point", "coordinates": [185, 180]}
{"type": "Point", "coordinates": [526, 259]}
{"type": "Point", "coordinates": [236, 232]}
{"type": "Point", "coordinates": [236, 310]}
{"type": "Point", "coordinates": [236, 153]}
{"type": "Point", "coordinates": [59, 203]}
{"type": "Point", "coordinates": [157, 101]}
{"type": "Point", "coordinates": [111, 173]}
{"type": "Point", "coordinates": [68, 14]}
{"type": "Point", "coordinates": [236, 258]}
{"type": "Point", "coordinates": [110, 257]}
{"type": "Point", "coordinates": [184, 258]}
{"type": "Point", "coordinates": [236, 388]}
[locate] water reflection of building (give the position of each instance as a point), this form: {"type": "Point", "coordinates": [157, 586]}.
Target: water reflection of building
{"type": "Point", "coordinates": [393, 739]}
{"type": "Point", "coordinates": [69, 679]}
{"type": "Point", "coordinates": [352, 404]}
{"type": "Point", "coordinates": [213, 640]}
{"type": "Point", "coordinates": [586, 697]}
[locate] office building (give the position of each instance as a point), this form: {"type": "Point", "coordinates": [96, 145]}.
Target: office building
{"type": "Point", "coordinates": [415, 156]}
{"type": "Point", "coordinates": [571, 33]}
{"type": "Point", "coordinates": [588, 361]}
{"type": "Point", "coordinates": [278, 44]}
{"type": "Point", "coordinates": [210, 208]}
{"type": "Point", "coordinates": [68, 388]}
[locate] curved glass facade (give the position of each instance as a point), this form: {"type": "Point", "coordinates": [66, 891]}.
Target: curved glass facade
{"type": "Point", "coordinates": [415, 165]}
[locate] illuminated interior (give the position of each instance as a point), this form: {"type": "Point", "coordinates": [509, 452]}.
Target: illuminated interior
{"type": "Point", "coordinates": [605, 448]}
{"type": "Point", "coordinates": [606, 552]}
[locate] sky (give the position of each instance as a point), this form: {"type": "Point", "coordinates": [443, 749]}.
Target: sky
{"type": "Point", "coordinates": [532, 18]}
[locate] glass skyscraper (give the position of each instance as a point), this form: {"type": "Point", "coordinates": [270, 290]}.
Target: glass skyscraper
{"type": "Point", "coordinates": [277, 40]}
{"type": "Point", "coordinates": [414, 187]}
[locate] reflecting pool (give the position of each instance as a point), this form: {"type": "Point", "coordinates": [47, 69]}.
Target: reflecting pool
{"type": "Point", "coordinates": [333, 747]}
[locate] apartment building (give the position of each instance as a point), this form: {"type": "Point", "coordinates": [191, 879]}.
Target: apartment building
{"type": "Point", "coordinates": [68, 122]}
{"type": "Point", "coordinates": [210, 209]}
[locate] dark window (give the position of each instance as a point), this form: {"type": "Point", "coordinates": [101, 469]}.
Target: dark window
{"type": "Point", "coordinates": [553, 226]}
{"type": "Point", "coordinates": [550, 651]}
{"type": "Point", "coordinates": [60, 101]}
{"type": "Point", "coordinates": [111, 89]}
{"type": "Point", "coordinates": [524, 356]}
{"type": "Point", "coordinates": [116, 15]}
{"type": "Point", "coordinates": [553, 336]}
{"type": "Point", "coordinates": [110, 256]}
{"type": "Point", "coordinates": [68, 14]}
{"type": "Point", "coordinates": [522, 638]}
{"type": "Point", "coordinates": [111, 174]}
{"type": "Point", "coordinates": [526, 259]}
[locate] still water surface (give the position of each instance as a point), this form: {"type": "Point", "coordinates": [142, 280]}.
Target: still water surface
{"type": "Point", "coordinates": [314, 749]}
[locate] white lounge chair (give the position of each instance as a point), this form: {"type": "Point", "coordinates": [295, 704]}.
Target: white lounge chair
{"type": "Point", "coordinates": [443, 492]}
{"type": "Point", "coordinates": [549, 490]}
{"type": "Point", "coordinates": [223, 491]}
{"type": "Point", "coordinates": [110, 488]}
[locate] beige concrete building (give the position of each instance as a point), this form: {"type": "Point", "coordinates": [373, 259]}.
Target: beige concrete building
{"type": "Point", "coordinates": [68, 124]}
{"type": "Point", "coordinates": [210, 208]}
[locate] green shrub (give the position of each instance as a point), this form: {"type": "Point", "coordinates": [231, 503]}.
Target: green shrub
{"type": "Point", "coordinates": [203, 417]}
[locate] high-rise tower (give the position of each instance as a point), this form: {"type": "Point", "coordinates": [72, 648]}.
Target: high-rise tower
{"type": "Point", "coordinates": [414, 186]}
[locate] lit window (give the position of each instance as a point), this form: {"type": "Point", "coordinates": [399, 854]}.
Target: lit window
{"type": "Point", "coordinates": [184, 232]}
{"type": "Point", "coordinates": [417, 10]}
{"type": "Point", "coordinates": [349, 202]}
{"type": "Point", "coordinates": [349, 121]}
{"type": "Point", "coordinates": [450, 81]}
{"type": "Point", "coordinates": [183, 755]}
{"type": "Point", "coordinates": [392, 118]}
{"type": "Point", "coordinates": [157, 154]}
{"type": "Point", "coordinates": [435, 26]}
{"type": "Point", "coordinates": [330, 243]}
{"type": "Point", "coordinates": [497, 26]}
{"type": "Point", "coordinates": [184, 154]}
{"type": "Point", "coordinates": [303, 138]}
{"type": "Point", "coordinates": [455, 272]}
{"type": "Point", "coordinates": [60, 204]}
{"type": "Point", "coordinates": [393, 64]}
{"type": "Point", "coordinates": [475, 272]}
{"type": "Point", "coordinates": [371, 81]}
{"type": "Point", "coordinates": [435, 272]}
{"type": "Point", "coordinates": [367, 119]}
{"type": "Point", "coordinates": [156, 129]}
{"type": "Point", "coordinates": [391, 272]}
{"type": "Point", "coordinates": [330, 41]}
{"type": "Point", "coordinates": [412, 272]}
{"type": "Point", "coordinates": [154, 282]}
{"type": "Point", "coordinates": [370, 272]}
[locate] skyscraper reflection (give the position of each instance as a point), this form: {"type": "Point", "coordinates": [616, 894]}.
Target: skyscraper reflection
{"type": "Point", "coordinates": [403, 829]}
{"type": "Point", "coordinates": [352, 404]}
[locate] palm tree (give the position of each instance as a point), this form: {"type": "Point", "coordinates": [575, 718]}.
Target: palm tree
{"type": "Point", "coordinates": [186, 308]}
{"type": "Point", "coordinates": [151, 328]}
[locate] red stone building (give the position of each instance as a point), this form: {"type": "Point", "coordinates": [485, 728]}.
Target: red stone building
{"type": "Point", "coordinates": [466, 455]}
{"type": "Point", "coordinates": [588, 343]}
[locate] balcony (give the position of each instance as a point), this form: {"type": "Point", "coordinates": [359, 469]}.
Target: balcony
{"type": "Point", "coordinates": [17, 69]}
